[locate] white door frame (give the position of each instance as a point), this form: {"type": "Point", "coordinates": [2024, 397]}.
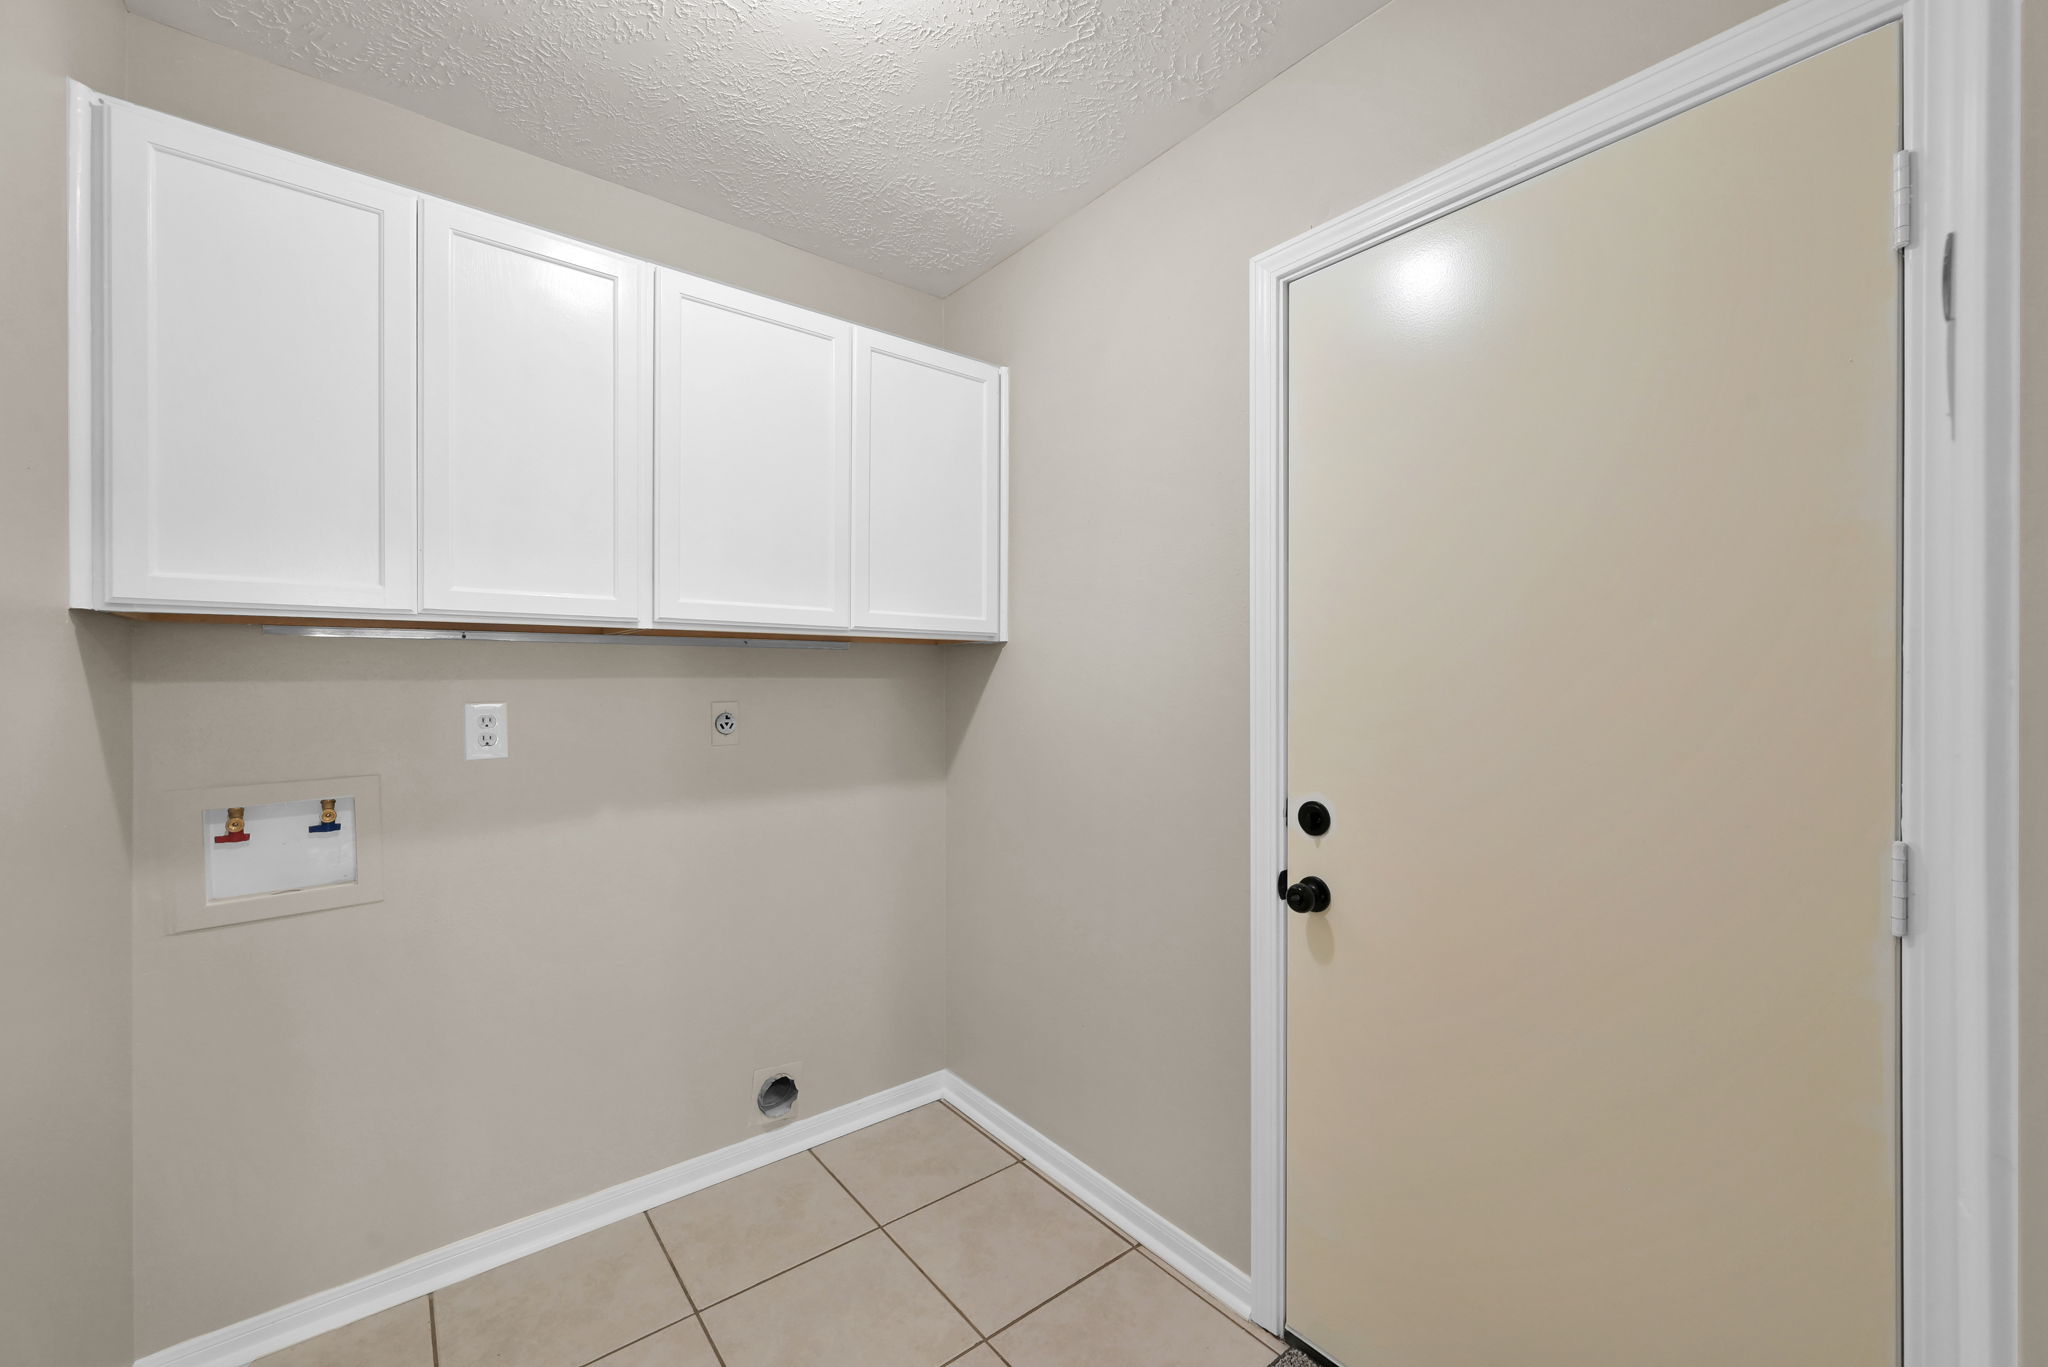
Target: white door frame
{"type": "Point", "coordinates": [1960, 707]}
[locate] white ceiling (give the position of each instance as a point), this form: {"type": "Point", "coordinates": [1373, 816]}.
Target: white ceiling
{"type": "Point", "coordinates": [922, 140]}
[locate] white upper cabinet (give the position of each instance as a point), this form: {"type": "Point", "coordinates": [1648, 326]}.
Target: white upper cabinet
{"type": "Point", "coordinates": [312, 394]}
{"type": "Point", "coordinates": [260, 419]}
{"type": "Point", "coordinates": [927, 490]}
{"type": "Point", "coordinates": [753, 438]}
{"type": "Point", "coordinates": [534, 352]}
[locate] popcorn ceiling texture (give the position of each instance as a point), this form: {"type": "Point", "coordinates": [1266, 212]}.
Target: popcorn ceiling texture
{"type": "Point", "coordinates": [921, 140]}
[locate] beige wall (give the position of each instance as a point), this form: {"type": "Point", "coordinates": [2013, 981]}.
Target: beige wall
{"type": "Point", "coordinates": [2033, 947]}
{"type": "Point", "coordinates": [64, 754]}
{"type": "Point", "coordinates": [1097, 858]}
{"type": "Point", "coordinates": [586, 949]}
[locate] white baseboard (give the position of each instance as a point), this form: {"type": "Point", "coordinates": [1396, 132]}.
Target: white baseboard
{"type": "Point", "coordinates": [1193, 1259]}
{"type": "Point", "coordinates": [240, 1344]}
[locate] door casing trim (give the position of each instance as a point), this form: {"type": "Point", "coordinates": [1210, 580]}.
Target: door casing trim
{"type": "Point", "coordinates": [1959, 793]}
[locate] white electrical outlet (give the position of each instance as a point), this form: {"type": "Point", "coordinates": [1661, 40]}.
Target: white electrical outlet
{"type": "Point", "coordinates": [725, 723]}
{"type": "Point", "coordinates": [486, 732]}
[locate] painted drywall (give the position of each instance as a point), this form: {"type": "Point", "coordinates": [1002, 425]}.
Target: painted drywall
{"type": "Point", "coordinates": [584, 953]}
{"type": "Point", "coordinates": [2033, 612]}
{"type": "Point", "coordinates": [1096, 862]}
{"type": "Point", "coordinates": [64, 1227]}
{"type": "Point", "coordinates": [586, 949]}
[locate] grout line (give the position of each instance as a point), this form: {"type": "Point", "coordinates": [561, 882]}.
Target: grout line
{"type": "Point", "coordinates": [848, 1190]}
{"type": "Point", "coordinates": [972, 1327]}
{"type": "Point", "coordinates": [948, 1196]}
{"type": "Point", "coordinates": [1128, 1248]}
{"type": "Point", "coordinates": [980, 1131]}
{"type": "Point", "coordinates": [1034, 1168]}
{"type": "Point", "coordinates": [982, 1340]}
{"type": "Point", "coordinates": [434, 1332]}
{"type": "Point", "coordinates": [785, 1271]}
{"type": "Point", "coordinates": [791, 1268]}
{"type": "Point", "coordinates": [1129, 1243]}
{"type": "Point", "coordinates": [662, 1244]}
{"type": "Point", "coordinates": [1082, 1206]}
{"type": "Point", "coordinates": [1015, 1157]}
{"type": "Point", "coordinates": [599, 1361]}
{"type": "Point", "coordinates": [1057, 1294]}
{"type": "Point", "coordinates": [1203, 1297]}
{"type": "Point", "coordinates": [674, 1271]}
{"type": "Point", "coordinates": [704, 1327]}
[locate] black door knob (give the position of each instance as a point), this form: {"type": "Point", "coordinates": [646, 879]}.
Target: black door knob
{"type": "Point", "coordinates": [1310, 894]}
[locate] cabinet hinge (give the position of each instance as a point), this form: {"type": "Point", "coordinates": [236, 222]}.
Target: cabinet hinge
{"type": "Point", "coordinates": [1902, 200]}
{"type": "Point", "coordinates": [1902, 889]}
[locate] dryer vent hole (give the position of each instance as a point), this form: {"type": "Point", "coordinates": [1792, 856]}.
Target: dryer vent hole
{"type": "Point", "coordinates": [777, 1097]}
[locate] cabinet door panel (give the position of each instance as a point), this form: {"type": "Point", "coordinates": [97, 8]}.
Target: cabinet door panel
{"type": "Point", "coordinates": [753, 452]}
{"type": "Point", "coordinates": [927, 501]}
{"type": "Point", "coordinates": [535, 356]}
{"type": "Point", "coordinates": [261, 391]}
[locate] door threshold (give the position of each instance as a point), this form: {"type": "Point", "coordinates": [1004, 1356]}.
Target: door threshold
{"type": "Point", "coordinates": [1307, 1349]}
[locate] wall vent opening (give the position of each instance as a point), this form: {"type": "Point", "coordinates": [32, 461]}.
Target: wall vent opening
{"type": "Point", "coordinates": [777, 1097]}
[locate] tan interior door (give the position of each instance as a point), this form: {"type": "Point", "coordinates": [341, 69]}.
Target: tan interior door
{"type": "Point", "coordinates": [1594, 549]}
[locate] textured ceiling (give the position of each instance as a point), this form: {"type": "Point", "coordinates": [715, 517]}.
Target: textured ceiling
{"type": "Point", "coordinates": [922, 140]}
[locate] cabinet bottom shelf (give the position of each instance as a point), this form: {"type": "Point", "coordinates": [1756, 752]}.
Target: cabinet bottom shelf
{"type": "Point", "coordinates": [547, 628]}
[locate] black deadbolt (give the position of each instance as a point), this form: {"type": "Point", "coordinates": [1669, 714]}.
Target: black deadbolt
{"type": "Point", "coordinates": [1314, 818]}
{"type": "Point", "coordinates": [1310, 894]}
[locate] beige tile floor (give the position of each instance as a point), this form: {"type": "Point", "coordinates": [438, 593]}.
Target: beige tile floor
{"type": "Point", "coordinates": [917, 1242]}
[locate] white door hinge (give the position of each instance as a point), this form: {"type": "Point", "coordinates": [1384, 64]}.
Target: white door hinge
{"type": "Point", "coordinates": [1902, 200]}
{"type": "Point", "coordinates": [1902, 889]}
